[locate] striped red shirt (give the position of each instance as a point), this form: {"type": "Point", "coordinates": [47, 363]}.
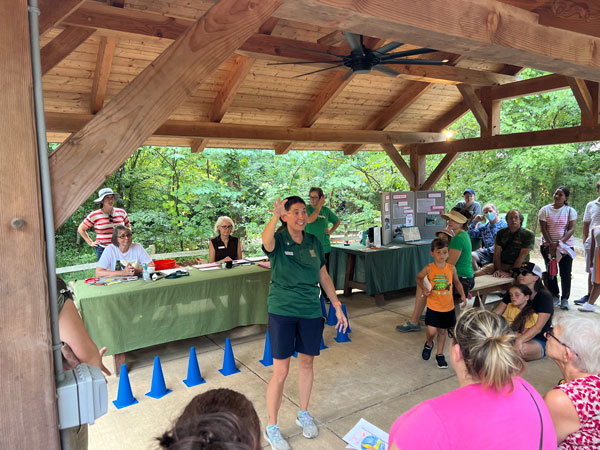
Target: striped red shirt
{"type": "Point", "coordinates": [103, 224]}
{"type": "Point", "coordinates": [556, 221]}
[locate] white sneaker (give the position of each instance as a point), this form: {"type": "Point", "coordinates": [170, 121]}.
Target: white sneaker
{"type": "Point", "coordinates": [309, 429]}
{"type": "Point", "coordinates": [587, 307]}
{"type": "Point", "coordinates": [273, 437]}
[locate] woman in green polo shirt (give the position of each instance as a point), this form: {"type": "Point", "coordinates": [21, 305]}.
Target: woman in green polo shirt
{"type": "Point", "coordinates": [460, 248]}
{"type": "Point", "coordinates": [295, 318]}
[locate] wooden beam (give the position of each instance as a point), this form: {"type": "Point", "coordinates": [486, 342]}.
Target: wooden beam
{"type": "Point", "coordinates": [268, 26]}
{"type": "Point", "coordinates": [198, 145]}
{"type": "Point", "coordinates": [483, 29]}
{"type": "Point", "coordinates": [492, 109]}
{"type": "Point", "coordinates": [514, 140]}
{"type": "Point", "coordinates": [452, 75]}
{"type": "Point", "coordinates": [75, 123]}
{"type": "Point", "coordinates": [334, 38]}
{"type": "Point", "coordinates": [52, 12]}
{"type": "Point", "coordinates": [439, 171]}
{"type": "Point", "coordinates": [29, 418]}
{"type": "Point", "coordinates": [62, 45]}
{"type": "Point", "coordinates": [531, 86]}
{"type": "Point", "coordinates": [582, 24]}
{"type": "Point", "coordinates": [399, 162]}
{"type": "Point", "coordinates": [104, 60]}
{"type": "Point", "coordinates": [226, 94]}
{"type": "Point", "coordinates": [584, 98]}
{"type": "Point", "coordinates": [411, 94]}
{"type": "Point", "coordinates": [594, 88]}
{"type": "Point", "coordinates": [130, 118]}
{"type": "Point", "coordinates": [474, 104]}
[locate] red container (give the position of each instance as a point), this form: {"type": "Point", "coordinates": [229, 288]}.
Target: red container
{"type": "Point", "coordinates": [162, 264]}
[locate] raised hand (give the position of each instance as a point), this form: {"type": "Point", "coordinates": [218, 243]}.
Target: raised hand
{"type": "Point", "coordinates": [279, 207]}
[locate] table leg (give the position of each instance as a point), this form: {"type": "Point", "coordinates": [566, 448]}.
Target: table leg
{"type": "Point", "coordinates": [349, 276]}
{"type": "Point", "coordinates": [476, 302]}
{"type": "Point", "coordinates": [379, 299]}
{"type": "Point", "coordinates": [119, 359]}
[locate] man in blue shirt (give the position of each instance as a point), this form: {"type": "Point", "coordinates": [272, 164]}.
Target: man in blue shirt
{"type": "Point", "coordinates": [487, 233]}
{"type": "Point", "coordinates": [470, 203]}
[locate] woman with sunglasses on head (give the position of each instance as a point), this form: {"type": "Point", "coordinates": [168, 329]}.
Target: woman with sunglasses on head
{"type": "Point", "coordinates": [103, 221]}
{"type": "Point", "coordinates": [575, 404]}
{"type": "Point", "coordinates": [494, 408]}
{"type": "Point", "coordinates": [132, 256]}
{"type": "Point", "coordinates": [557, 222]}
{"type": "Point", "coordinates": [224, 247]}
{"type": "Point", "coordinates": [531, 343]}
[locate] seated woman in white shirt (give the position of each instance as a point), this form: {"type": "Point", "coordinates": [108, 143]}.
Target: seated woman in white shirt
{"type": "Point", "coordinates": [131, 255]}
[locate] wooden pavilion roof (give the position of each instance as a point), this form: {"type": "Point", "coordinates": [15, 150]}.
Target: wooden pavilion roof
{"type": "Point", "coordinates": [121, 73]}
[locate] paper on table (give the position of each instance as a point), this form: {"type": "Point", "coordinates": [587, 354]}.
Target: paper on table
{"type": "Point", "coordinates": [361, 430]}
{"type": "Point", "coordinates": [210, 268]}
{"type": "Point", "coordinates": [170, 271]}
{"type": "Point", "coordinates": [567, 249]}
{"type": "Point", "coordinates": [205, 266]}
{"type": "Point", "coordinates": [257, 258]}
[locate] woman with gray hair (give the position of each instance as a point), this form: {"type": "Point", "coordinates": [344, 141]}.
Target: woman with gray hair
{"type": "Point", "coordinates": [575, 405]}
{"type": "Point", "coordinates": [224, 247]}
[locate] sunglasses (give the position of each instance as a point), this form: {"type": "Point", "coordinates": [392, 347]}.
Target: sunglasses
{"type": "Point", "coordinates": [110, 218]}
{"type": "Point", "coordinates": [550, 333]}
{"type": "Point", "coordinates": [521, 272]}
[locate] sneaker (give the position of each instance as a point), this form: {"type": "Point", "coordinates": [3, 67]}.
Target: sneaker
{"type": "Point", "coordinates": [564, 304]}
{"type": "Point", "coordinates": [586, 307]}
{"type": "Point", "coordinates": [309, 429]}
{"type": "Point", "coordinates": [273, 437]}
{"type": "Point", "coordinates": [556, 302]}
{"type": "Point", "coordinates": [426, 353]}
{"type": "Point", "coordinates": [441, 361]}
{"type": "Point", "coordinates": [582, 300]}
{"type": "Point", "coordinates": [408, 326]}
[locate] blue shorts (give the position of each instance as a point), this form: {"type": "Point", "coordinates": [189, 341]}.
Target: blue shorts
{"type": "Point", "coordinates": [294, 334]}
{"type": "Point", "coordinates": [542, 343]}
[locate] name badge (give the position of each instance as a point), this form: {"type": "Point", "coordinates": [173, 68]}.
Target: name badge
{"type": "Point", "coordinates": [312, 253]}
{"type": "Point", "coordinates": [289, 253]}
{"type": "Point", "coordinates": [221, 247]}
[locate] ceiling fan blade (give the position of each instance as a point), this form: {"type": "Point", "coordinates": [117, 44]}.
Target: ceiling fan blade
{"type": "Point", "coordinates": [415, 51]}
{"type": "Point", "coordinates": [420, 62]}
{"type": "Point", "coordinates": [316, 71]}
{"type": "Point", "coordinates": [309, 50]}
{"type": "Point", "coordinates": [354, 41]}
{"type": "Point", "coordinates": [390, 72]}
{"type": "Point", "coordinates": [306, 62]}
{"type": "Point", "coordinates": [388, 47]}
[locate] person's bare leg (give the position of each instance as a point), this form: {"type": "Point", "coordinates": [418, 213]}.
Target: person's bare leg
{"type": "Point", "coordinates": [430, 334]}
{"type": "Point", "coordinates": [531, 351]}
{"type": "Point", "coordinates": [420, 302]}
{"type": "Point", "coordinates": [275, 388]}
{"type": "Point", "coordinates": [475, 261]}
{"type": "Point", "coordinates": [441, 340]}
{"type": "Point", "coordinates": [305, 379]}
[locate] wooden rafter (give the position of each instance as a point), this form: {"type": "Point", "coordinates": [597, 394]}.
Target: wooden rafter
{"type": "Point", "coordinates": [514, 140]}
{"type": "Point", "coordinates": [403, 167]}
{"type": "Point", "coordinates": [106, 52]}
{"type": "Point", "coordinates": [582, 94]}
{"type": "Point", "coordinates": [62, 45]}
{"type": "Point", "coordinates": [76, 123]}
{"type": "Point", "coordinates": [133, 115]}
{"type": "Point", "coordinates": [481, 29]}
{"type": "Point", "coordinates": [439, 171]}
{"type": "Point", "coordinates": [53, 12]}
{"type": "Point", "coordinates": [474, 104]}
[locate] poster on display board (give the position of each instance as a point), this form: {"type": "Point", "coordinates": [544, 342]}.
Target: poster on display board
{"type": "Point", "coordinates": [430, 205]}
{"type": "Point", "coordinates": [386, 221]}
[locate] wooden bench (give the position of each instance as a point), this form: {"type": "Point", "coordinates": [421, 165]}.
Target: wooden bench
{"type": "Point", "coordinates": [486, 284]}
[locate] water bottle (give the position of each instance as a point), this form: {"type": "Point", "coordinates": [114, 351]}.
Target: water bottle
{"type": "Point", "coordinates": [146, 274]}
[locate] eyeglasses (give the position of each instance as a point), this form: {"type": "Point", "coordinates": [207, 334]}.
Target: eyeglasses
{"type": "Point", "coordinates": [227, 227]}
{"type": "Point", "coordinates": [125, 236]}
{"type": "Point", "coordinates": [550, 333]}
{"type": "Point", "coordinates": [314, 197]}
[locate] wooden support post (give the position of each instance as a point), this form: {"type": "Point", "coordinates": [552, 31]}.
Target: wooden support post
{"type": "Point", "coordinates": [29, 417]}
{"type": "Point", "coordinates": [474, 104]}
{"type": "Point", "coordinates": [492, 108]}
{"type": "Point", "coordinates": [417, 165]}
{"type": "Point", "coordinates": [594, 88]}
{"type": "Point", "coordinates": [584, 98]}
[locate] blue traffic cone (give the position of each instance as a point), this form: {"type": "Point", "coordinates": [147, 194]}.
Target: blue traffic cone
{"type": "Point", "coordinates": [323, 309]}
{"type": "Point", "coordinates": [158, 389]}
{"type": "Point", "coordinates": [322, 346]}
{"type": "Point", "coordinates": [194, 377]}
{"type": "Point", "coordinates": [124, 395]}
{"type": "Point", "coordinates": [342, 337]}
{"type": "Point", "coordinates": [229, 367]}
{"type": "Point", "coordinates": [267, 356]}
{"type": "Point", "coordinates": [348, 330]}
{"type": "Point", "coordinates": [331, 318]}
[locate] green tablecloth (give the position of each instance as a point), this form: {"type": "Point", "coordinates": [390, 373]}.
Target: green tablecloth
{"type": "Point", "coordinates": [136, 314]}
{"type": "Point", "coordinates": [382, 270]}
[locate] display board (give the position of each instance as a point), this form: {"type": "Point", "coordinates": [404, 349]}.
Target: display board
{"type": "Point", "coordinates": [429, 207]}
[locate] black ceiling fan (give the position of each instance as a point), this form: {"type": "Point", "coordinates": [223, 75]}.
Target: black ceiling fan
{"type": "Point", "coordinates": [362, 59]}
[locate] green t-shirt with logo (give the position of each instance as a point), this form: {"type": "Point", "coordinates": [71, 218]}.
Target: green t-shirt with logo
{"type": "Point", "coordinates": [462, 242]}
{"type": "Point", "coordinates": [325, 217]}
{"type": "Point", "coordinates": [294, 289]}
{"type": "Point", "coordinates": [512, 243]}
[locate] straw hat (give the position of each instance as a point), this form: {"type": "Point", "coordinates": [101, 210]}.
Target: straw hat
{"type": "Point", "coordinates": [456, 216]}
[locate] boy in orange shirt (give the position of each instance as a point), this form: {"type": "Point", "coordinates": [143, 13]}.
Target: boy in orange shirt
{"type": "Point", "coordinates": [436, 280]}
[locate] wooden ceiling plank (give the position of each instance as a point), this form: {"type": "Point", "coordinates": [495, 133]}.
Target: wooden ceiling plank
{"type": "Point", "coordinates": [106, 52]}
{"type": "Point", "coordinates": [584, 98]}
{"type": "Point", "coordinates": [514, 140]}
{"type": "Point", "coordinates": [484, 29]}
{"type": "Point", "coordinates": [74, 123]}
{"type": "Point", "coordinates": [131, 117]}
{"type": "Point", "coordinates": [52, 12]}
{"type": "Point", "coordinates": [439, 171]}
{"type": "Point", "coordinates": [474, 104]}
{"type": "Point", "coordinates": [399, 162]}
{"type": "Point", "coordinates": [62, 45]}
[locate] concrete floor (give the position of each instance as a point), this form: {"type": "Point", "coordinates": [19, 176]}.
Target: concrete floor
{"type": "Point", "coordinates": [378, 376]}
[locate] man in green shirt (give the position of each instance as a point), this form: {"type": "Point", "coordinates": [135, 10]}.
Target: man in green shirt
{"type": "Point", "coordinates": [319, 218]}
